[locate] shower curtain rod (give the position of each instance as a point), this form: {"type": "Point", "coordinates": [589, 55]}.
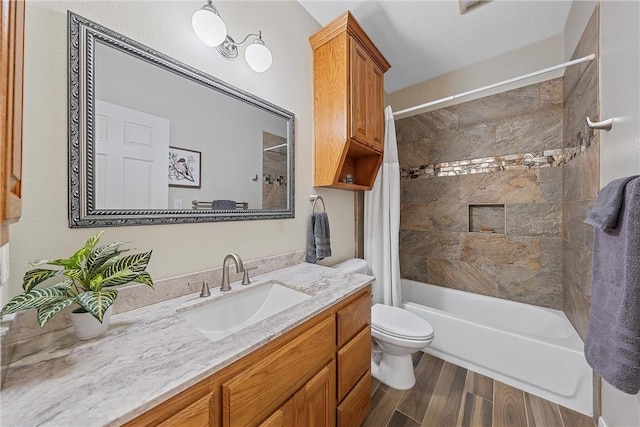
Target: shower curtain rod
{"type": "Point", "coordinates": [491, 86]}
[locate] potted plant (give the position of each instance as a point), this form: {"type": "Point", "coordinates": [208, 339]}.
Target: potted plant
{"type": "Point", "coordinates": [90, 277]}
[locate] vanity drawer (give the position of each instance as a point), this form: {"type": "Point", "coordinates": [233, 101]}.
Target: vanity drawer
{"type": "Point", "coordinates": [353, 318]}
{"type": "Point", "coordinates": [354, 359]}
{"type": "Point", "coordinates": [355, 407]}
{"type": "Point", "coordinates": [256, 393]}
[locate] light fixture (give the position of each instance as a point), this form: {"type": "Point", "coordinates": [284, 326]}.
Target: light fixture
{"type": "Point", "coordinates": [212, 31]}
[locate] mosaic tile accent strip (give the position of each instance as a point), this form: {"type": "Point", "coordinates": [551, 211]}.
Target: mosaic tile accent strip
{"type": "Point", "coordinates": [510, 162]}
{"type": "Point", "coordinates": [270, 179]}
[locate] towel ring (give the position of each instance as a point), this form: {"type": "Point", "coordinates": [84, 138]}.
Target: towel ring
{"type": "Point", "coordinates": [314, 198]}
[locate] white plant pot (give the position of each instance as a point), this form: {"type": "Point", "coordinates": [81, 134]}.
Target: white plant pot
{"type": "Point", "coordinates": [85, 326]}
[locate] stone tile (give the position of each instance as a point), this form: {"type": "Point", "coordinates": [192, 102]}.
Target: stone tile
{"type": "Point", "coordinates": [487, 216]}
{"type": "Point", "coordinates": [534, 219]}
{"type": "Point", "coordinates": [551, 255]}
{"type": "Point", "coordinates": [429, 124]}
{"type": "Point", "coordinates": [552, 94]}
{"type": "Point", "coordinates": [576, 268]}
{"type": "Point", "coordinates": [587, 45]}
{"type": "Point", "coordinates": [435, 217]}
{"type": "Point", "coordinates": [471, 143]}
{"type": "Point", "coordinates": [537, 288]}
{"type": "Point", "coordinates": [501, 187]}
{"type": "Point", "coordinates": [498, 250]}
{"type": "Point", "coordinates": [577, 232]}
{"type": "Point", "coordinates": [532, 133]}
{"type": "Point", "coordinates": [577, 307]}
{"type": "Point", "coordinates": [582, 102]}
{"type": "Point", "coordinates": [430, 244]}
{"type": "Point", "coordinates": [445, 189]}
{"type": "Point", "coordinates": [414, 267]}
{"type": "Point", "coordinates": [463, 276]}
{"type": "Point", "coordinates": [500, 108]}
{"type": "Point", "coordinates": [571, 181]}
{"type": "Point", "coordinates": [413, 153]}
{"type": "Point", "coordinates": [551, 185]}
{"type": "Point", "coordinates": [590, 173]}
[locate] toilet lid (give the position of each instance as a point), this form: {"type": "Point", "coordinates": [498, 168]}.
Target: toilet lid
{"type": "Point", "coordinates": [400, 323]}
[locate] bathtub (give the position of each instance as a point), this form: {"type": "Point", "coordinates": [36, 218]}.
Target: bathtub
{"type": "Point", "coordinates": [532, 348]}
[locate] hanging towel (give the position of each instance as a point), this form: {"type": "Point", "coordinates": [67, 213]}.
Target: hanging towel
{"type": "Point", "coordinates": [605, 213]}
{"type": "Point", "coordinates": [318, 238]}
{"type": "Point", "coordinates": [224, 205]}
{"type": "Point", "coordinates": [612, 346]}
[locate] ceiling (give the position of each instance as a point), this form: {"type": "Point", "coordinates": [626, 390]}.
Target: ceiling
{"type": "Point", "coordinates": [425, 39]}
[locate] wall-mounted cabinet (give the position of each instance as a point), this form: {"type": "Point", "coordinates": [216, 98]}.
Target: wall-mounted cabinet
{"type": "Point", "coordinates": [11, 70]}
{"type": "Point", "coordinates": [348, 75]}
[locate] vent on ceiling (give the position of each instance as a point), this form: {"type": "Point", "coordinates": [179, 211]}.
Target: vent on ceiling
{"type": "Point", "coordinates": [468, 5]}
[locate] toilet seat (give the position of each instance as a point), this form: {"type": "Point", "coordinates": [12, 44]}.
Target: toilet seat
{"type": "Point", "coordinates": [400, 323]}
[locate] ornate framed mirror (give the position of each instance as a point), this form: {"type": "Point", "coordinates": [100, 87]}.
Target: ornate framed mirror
{"type": "Point", "coordinates": [155, 141]}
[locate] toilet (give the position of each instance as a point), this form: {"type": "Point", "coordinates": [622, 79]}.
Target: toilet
{"type": "Point", "coordinates": [397, 334]}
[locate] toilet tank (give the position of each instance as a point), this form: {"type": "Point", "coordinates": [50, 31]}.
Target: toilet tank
{"type": "Point", "coordinates": [353, 265]}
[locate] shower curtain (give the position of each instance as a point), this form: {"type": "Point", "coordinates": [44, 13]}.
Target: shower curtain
{"type": "Point", "coordinates": [382, 222]}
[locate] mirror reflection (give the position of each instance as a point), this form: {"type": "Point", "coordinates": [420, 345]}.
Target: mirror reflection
{"type": "Point", "coordinates": [167, 143]}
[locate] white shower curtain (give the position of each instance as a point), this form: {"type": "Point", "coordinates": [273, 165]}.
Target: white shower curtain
{"type": "Point", "coordinates": [382, 222]}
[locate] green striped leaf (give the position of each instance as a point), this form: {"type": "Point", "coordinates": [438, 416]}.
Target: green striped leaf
{"type": "Point", "coordinates": [119, 278]}
{"type": "Point", "coordinates": [145, 278]}
{"type": "Point", "coordinates": [39, 275]}
{"type": "Point", "coordinates": [136, 263]}
{"type": "Point", "coordinates": [100, 256]}
{"type": "Point", "coordinates": [97, 302]}
{"type": "Point", "coordinates": [46, 312]}
{"type": "Point", "coordinates": [35, 299]}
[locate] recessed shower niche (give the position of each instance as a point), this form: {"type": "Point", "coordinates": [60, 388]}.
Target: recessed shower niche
{"type": "Point", "coordinates": [486, 218]}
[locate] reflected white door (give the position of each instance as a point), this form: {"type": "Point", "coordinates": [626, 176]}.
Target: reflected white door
{"type": "Point", "coordinates": [131, 158]}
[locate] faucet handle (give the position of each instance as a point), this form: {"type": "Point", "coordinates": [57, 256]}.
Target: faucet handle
{"type": "Point", "coordinates": [205, 292]}
{"type": "Point", "coordinates": [245, 277]}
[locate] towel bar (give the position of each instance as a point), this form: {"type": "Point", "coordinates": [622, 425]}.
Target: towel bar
{"type": "Point", "coordinates": [314, 198]}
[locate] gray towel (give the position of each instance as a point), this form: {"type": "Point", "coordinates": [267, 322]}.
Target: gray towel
{"type": "Point", "coordinates": [612, 346]}
{"type": "Point", "coordinates": [605, 213]}
{"type": "Point", "coordinates": [224, 205]}
{"type": "Point", "coordinates": [318, 238]}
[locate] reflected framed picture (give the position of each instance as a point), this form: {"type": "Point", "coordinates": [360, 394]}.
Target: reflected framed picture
{"type": "Point", "coordinates": [184, 167]}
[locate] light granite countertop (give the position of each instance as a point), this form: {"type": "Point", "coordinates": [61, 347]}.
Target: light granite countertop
{"type": "Point", "coordinates": [147, 356]}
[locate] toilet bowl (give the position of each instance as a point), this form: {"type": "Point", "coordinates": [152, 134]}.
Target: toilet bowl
{"type": "Point", "coordinates": [397, 334]}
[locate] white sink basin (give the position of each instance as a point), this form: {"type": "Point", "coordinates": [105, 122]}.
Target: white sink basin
{"type": "Point", "coordinates": [232, 313]}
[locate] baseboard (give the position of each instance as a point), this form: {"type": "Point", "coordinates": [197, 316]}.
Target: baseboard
{"type": "Point", "coordinates": [601, 422]}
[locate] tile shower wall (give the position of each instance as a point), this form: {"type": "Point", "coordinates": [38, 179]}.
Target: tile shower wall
{"type": "Point", "coordinates": [274, 171]}
{"type": "Point", "coordinates": [581, 177]}
{"type": "Point", "coordinates": [495, 161]}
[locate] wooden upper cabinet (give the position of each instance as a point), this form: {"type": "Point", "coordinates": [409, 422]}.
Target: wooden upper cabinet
{"type": "Point", "coordinates": [348, 75]}
{"type": "Point", "coordinates": [11, 72]}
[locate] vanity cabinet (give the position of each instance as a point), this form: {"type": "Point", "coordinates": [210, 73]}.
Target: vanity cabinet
{"type": "Point", "coordinates": [11, 75]}
{"type": "Point", "coordinates": [294, 380]}
{"type": "Point", "coordinates": [348, 76]}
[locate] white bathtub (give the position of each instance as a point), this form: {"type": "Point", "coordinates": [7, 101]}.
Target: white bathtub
{"type": "Point", "coordinates": [532, 348]}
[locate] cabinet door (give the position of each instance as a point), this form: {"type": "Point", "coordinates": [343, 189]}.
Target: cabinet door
{"type": "Point", "coordinates": [282, 417]}
{"type": "Point", "coordinates": [375, 105]}
{"type": "Point", "coordinates": [11, 74]}
{"type": "Point", "coordinates": [195, 415]}
{"type": "Point", "coordinates": [316, 402]}
{"type": "Point", "coordinates": [360, 68]}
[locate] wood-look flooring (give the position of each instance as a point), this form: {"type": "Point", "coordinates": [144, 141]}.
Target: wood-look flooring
{"type": "Point", "coordinates": [446, 395]}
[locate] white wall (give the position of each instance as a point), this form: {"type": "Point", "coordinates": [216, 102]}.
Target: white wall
{"type": "Point", "coordinates": [524, 60]}
{"type": "Point", "coordinates": [620, 147]}
{"type": "Point", "coordinates": [43, 231]}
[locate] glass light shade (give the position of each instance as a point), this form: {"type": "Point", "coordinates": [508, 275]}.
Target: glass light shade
{"type": "Point", "coordinates": [209, 27]}
{"type": "Point", "coordinates": [258, 56]}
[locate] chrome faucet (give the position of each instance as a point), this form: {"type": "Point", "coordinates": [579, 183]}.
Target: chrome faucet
{"type": "Point", "coordinates": [225, 270]}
